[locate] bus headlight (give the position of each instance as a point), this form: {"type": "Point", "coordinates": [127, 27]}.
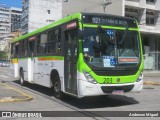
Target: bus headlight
{"type": "Point", "coordinates": [89, 77]}
{"type": "Point", "coordinates": [140, 77]}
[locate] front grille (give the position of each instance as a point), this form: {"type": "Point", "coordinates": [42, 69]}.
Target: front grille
{"type": "Point", "coordinates": [109, 89]}
{"type": "Point", "coordinates": [115, 72]}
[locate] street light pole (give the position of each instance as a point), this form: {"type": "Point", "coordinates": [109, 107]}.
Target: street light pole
{"type": "Point", "coordinates": [105, 3]}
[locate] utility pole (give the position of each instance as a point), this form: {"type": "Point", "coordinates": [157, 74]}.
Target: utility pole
{"type": "Point", "coordinates": [105, 3]}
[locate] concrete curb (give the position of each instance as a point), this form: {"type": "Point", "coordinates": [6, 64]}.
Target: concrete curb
{"type": "Point", "coordinates": [152, 83]}
{"type": "Point", "coordinates": [10, 99]}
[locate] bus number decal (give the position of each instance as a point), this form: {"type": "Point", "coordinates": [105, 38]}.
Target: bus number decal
{"type": "Point", "coordinates": [107, 80]}
{"type": "Point", "coordinates": [96, 20]}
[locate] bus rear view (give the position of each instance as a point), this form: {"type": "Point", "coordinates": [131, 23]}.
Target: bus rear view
{"type": "Point", "coordinates": [111, 58]}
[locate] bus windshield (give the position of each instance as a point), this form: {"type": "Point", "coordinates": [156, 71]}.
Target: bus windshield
{"type": "Point", "coordinates": [111, 48]}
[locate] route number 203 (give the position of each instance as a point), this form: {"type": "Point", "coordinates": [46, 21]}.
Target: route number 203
{"type": "Point", "coordinates": [108, 80]}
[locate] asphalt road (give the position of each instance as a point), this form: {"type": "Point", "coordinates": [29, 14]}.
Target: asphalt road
{"type": "Point", "coordinates": [43, 100]}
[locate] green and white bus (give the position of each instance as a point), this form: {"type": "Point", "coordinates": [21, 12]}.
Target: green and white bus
{"type": "Point", "coordinates": [84, 54]}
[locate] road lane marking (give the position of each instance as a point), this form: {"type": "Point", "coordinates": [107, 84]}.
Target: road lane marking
{"type": "Point", "coordinates": [6, 99]}
{"type": "Point", "coordinates": [152, 83]}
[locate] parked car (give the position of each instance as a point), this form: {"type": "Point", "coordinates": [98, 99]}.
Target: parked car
{"type": "Point", "coordinates": [5, 64]}
{"type": "Point", "coordinates": [0, 63]}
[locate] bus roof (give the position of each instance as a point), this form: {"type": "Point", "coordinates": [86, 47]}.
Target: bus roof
{"type": "Point", "coordinates": [87, 18]}
{"type": "Point", "coordinates": [64, 20]}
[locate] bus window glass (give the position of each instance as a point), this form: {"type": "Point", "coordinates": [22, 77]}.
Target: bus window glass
{"type": "Point", "coordinates": [22, 48]}
{"type": "Point", "coordinates": [111, 48]}
{"type": "Point", "coordinates": [54, 37]}
{"type": "Point", "coordinates": [31, 48]}
{"type": "Point", "coordinates": [42, 43]}
{"type": "Point", "coordinates": [26, 48]}
{"type": "Point", "coordinates": [17, 50]}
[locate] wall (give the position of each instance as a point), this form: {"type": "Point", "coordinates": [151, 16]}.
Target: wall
{"type": "Point", "coordinates": [95, 6]}
{"type": "Point", "coordinates": [43, 12]}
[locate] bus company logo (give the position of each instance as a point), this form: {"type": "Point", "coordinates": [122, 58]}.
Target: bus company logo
{"type": "Point", "coordinates": [118, 80]}
{"type": "Point", "coordinates": [71, 25]}
{"type": "Point", "coordinates": [6, 114]}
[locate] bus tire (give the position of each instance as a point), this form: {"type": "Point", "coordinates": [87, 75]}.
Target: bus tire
{"type": "Point", "coordinates": [57, 87]}
{"type": "Point", "coordinates": [21, 80]}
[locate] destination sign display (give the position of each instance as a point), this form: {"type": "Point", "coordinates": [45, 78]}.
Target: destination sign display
{"type": "Point", "coordinates": [109, 20]}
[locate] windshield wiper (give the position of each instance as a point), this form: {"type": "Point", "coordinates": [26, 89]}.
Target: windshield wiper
{"type": "Point", "coordinates": [112, 41]}
{"type": "Point", "coordinates": [124, 36]}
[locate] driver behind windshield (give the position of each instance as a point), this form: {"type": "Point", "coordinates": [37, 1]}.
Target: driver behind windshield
{"type": "Point", "coordinates": [91, 47]}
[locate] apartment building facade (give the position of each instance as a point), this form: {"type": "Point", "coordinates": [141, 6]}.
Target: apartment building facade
{"type": "Point", "coordinates": [5, 22]}
{"type": "Point", "coordinates": [9, 22]}
{"type": "Point", "coordinates": [37, 13]}
{"type": "Point", "coordinates": [16, 14]}
{"type": "Point", "coordinates": [5, 25]}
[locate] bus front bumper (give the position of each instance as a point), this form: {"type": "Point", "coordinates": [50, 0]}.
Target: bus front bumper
{"type": "Point", "coordinates": [89, 89]}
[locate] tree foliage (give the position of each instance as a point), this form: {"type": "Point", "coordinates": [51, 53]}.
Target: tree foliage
{"type": "Point", "coordinates": [3, 55]}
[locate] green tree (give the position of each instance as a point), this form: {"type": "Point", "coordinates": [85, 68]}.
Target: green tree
{"type": "Point", "coordinates": [3, 55]}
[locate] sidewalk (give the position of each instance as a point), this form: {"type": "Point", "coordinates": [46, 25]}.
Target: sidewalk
{"type": "Point", "coordinates": [10, 94]}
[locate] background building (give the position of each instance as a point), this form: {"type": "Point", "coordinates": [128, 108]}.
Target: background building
{"type": "Point", "coordinates": [16, 14]}
{"type": "Point", "coordinates": [5, 22]}
{"type": "Point", "coordinates": [147, 13]}
{"type": "Point", "coordinates": [37, 13]}
{"type": "Point", "coordinates": [10, 21]}
{"type": "Point", "coordinates": [5, 25]}
{"type": "Point", "coordinates": [94, 6]}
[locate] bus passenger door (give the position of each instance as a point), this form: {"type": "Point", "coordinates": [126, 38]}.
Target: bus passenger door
{"type": "Point", "coordinates": [70, 70]}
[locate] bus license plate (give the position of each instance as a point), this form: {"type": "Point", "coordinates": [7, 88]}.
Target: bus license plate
{"type": "Point", "coordinates": [117, 92]}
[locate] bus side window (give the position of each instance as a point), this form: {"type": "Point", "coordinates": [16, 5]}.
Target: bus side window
{"type": "Point", "coordinates": [51, 47]}
{"type": "Point", "coordinates": [17, 50]}
{"type": "Point", "coordinates": [42, 43]}
{"type": "Point", "coordinates": [12, 50]}
{"type": "Point", "coordinates": [54, 37]}
{"type": "Point", "coordinates": [31, 48]}
{"type": "Point", "coordinates": [38, 44]}
{"type": "Point", "coordinates": [26, 48]}
{"type": "Point", "coordinates": [22, 48]}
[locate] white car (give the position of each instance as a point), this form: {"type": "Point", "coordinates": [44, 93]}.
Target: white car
{"type": "Point", "coordinates": [4, 64]}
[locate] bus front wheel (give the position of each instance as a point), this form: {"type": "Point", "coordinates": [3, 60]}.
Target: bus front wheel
{"type": "Point", "coordinates": [57, 87]}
